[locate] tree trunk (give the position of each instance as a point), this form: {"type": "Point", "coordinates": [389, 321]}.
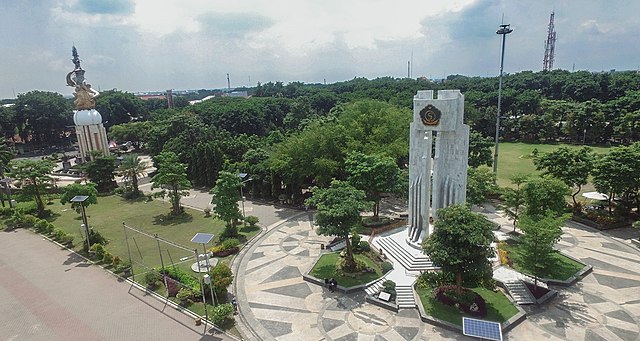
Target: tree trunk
{"type": "Point", "coordinates": [573, 196]}
{"type": "Point", "coordinates": [134, 184]}
{"type": "Point", "coordinates": [376, 210]}
{"type": "Point", "coordinates": [349, 261]}
{"type": "Point", "coordinates": [459, 283]}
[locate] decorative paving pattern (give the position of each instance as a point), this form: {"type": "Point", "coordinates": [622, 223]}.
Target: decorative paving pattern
{"type": "Point", "coordinates": [278, 305]}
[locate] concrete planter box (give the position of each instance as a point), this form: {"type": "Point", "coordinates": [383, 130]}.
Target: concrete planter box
{"type": "Point", "coordinates": [506, 326]}
{"type": "Point", "coordinates": [595, 225]}
{"type": "Point", "coordinates": [571, 280]}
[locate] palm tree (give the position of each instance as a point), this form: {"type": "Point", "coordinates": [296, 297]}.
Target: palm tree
{"type": "Point", "coordinates": [5, 156]}
{"type": "Point", "coordinates": [130, 169]}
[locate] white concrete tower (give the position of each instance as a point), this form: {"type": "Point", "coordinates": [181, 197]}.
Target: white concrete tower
{"type": "Point", "coordinates": [441, 180]}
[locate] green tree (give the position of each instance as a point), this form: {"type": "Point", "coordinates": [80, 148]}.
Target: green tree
{"type": "Point", "coordinates": [221, 277]}
{"type": "Point", "coordinates": [480, 182]}
{"type": "Point", "coordinates": [541, 233]}
{"type": "Point", "coordinates": [374, 174]}
{"type": "Point", "coordinates": [461, 243]}
{"type": "Point", "coordinates": [130, 169]}
{"type": "Point", "coordinates": [339, 208]}
{"type": "Point", "coordinates": [479, 150]}
{"type": "Point", "coordinates": [101, 172]}
{"type": "Point", "coordinates": [171, 176]}
{"type": "Point", "coordinates": [572, 166]}
{"type": "Point", "coordinates": [136, 132]}
{"type": "Point", "coordinates": [226, 196]}
{"type": "Point", "coordinates": [545, 194]}
{"type": "Point", "coordinates": [34, 179]}
{"type": "Point", "coordinates": [5, 157]}
{"type": "Point", "coordinates": [118, 107]}
{"type": "Point", "coordinates": [616, 173]}
{"type": "Point", "coordinates": [43, 115]}
{"type": "Point", "coordinates": [514, 198]}
{"type": "Point", "coordinates": [73, 190]}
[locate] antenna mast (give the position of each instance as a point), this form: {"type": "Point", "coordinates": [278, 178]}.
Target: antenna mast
{"type": "Point", "coordinates": [550, 46]}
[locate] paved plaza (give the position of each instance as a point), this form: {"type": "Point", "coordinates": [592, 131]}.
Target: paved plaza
{"type": "Point", "coordinates": [276, 304]}
{"type": "Point", "coordinates": [48, 293]}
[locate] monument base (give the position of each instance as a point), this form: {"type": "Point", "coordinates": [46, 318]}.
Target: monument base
{"type": "Point", "coordinates": [418, 244]}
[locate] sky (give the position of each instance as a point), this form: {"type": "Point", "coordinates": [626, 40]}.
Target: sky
{"type": "Point", "coordinates": [154, 45]}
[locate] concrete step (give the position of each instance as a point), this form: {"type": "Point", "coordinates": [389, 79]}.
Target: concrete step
{"type": "Point", "coordinates": [408, 260]}
{"type": "Point", "coordinates": [404, 297]}
{"type": "Point", "coordinates": [338, 246]}
{"type": "Point", "coordinates": [375, 287]}
{"type": "Point", "coordinates": [519, 292]}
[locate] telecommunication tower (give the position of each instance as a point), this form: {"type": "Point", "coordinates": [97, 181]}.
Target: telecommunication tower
{"type": "Point", "coordinates": [550, 46]}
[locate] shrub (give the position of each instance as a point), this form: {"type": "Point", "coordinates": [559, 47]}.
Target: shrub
{"type": "Point", "coordinates": [386, 267]}
{"type": "Point", "coordinates": [122, 266]}
{"type": "Point", "coordinates": [230, 243]}
{"type": "Point", "coordinates": [221, 313]}
{"type": "Point", "coordinates": [252, 220]}
{"type": "Point", "coordinates": [16, 220]}
{"type": "Point", "coordinates": [184, 294]}
{"type": "Point", "coordinates": [221, 277]}
{"type": "Point", "coordinates": [41, 226]}
{"type": "Point", "coordinates": [389, 286]}
{"type": "Point", "coordinates": [107, 258]}
{"type": "Point", "coordinates": [364, 246]}
{"type": "Point", "coordinates": [59, 234]}
{"type": "Point", "coordinates": [207, 212]}
{"type": "Point", "coordinates": [183, 277]}
{"type": "Point", "coordinates": [96, 238]}
{"type": "Point", "coordinates": [468, 301]}
{"type": "Point", "coordinates": [355, 238]}
{"type": "Point", "coordinates": [50, 228]}
{"type": "Point", "coordinates": [67, 240]}
{"type": "Point", "coordinates": [98, 250]}
{"type": "Point", "coordinates": [152, 279]}
{"type": "Point", "coordinates": [116, 261]}
{"type": "Point", "coordinates": [229, 232]}
{"type": "Point", "coordinates": [6, 212]}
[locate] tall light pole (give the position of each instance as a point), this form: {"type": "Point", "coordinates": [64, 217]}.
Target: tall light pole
{"type": "Point", "coordinates": [503, 30]}
{"type": "Point", "coordinates": [242, 176]}
{"type": "Point", "coordinates": [80, 199]}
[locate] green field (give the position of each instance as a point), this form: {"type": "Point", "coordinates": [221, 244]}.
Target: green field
{"type": "Point", "coordinates": [110, 212]}
{"type": "Point", "coordinates": [514, 158]}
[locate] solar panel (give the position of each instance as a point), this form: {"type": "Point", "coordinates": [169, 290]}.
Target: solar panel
{"type": "Point", "coordinates": [202, 238]}
{"type": "Point", "coordinates": [482, 329]}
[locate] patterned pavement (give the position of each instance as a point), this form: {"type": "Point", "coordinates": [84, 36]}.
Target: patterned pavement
{"type": "Point", "coordinates": [276, 304]}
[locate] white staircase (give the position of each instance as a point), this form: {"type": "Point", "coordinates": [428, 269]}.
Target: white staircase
{"type": "Point", "coordinates": [337, 246]}
{"type": "Point", "coordinates": [411, 259]}
{"type": "Point", "coordinates": [375, 287]}
{"type": "Point", "coordinates": [404, 297]}
{"type": "Point", "coordinates": [519, 291]}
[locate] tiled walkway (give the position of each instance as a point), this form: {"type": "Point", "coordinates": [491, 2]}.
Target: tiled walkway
{"type": "Point", "coordinates": [276, 304]}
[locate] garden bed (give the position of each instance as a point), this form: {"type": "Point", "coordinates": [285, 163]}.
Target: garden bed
{"type": "Point", "coordinates": [326, 268]}
{"type": "Point", "coordinates": [498, 307]}
{"type": "Point", "coordinates": [565, 268]}
{"type": "Point", "coordinates": [600, 225]}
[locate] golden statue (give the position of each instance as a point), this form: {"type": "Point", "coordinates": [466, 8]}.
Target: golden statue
{"type": "Point", "coordinates": [84, 94]}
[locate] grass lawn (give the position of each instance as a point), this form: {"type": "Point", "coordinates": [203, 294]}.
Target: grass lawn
{"type": "Point", "coordinates": [516, 158]}
{"type": "Point", "coordinates": [564, 268]}
{"type": "Point", "coordinates": [326, 268]}
{"type": "Point", "coordinates": [499, 308]}
{"type": "Point", "coordinates": [152, 217]}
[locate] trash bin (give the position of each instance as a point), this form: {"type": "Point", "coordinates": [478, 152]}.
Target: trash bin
{"type": "Point", "coordinates": [321, 246]}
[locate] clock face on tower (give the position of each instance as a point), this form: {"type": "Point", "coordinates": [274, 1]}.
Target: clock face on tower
{"type": "Point", "coordinates": [430, 115]}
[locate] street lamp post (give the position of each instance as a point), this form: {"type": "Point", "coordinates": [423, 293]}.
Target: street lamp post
{"type": "Point", "coordinates": [80, 199]}
{"type": "Point", "coordinates": [203, 238]}
{"type": "Point", "coordinates": [242, 176]}
{"type": "Point", "coordinates": [503, 30]}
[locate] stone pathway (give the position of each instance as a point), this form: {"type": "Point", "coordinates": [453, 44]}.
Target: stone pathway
{"type": "Point", "coordinates": [276, 304]}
